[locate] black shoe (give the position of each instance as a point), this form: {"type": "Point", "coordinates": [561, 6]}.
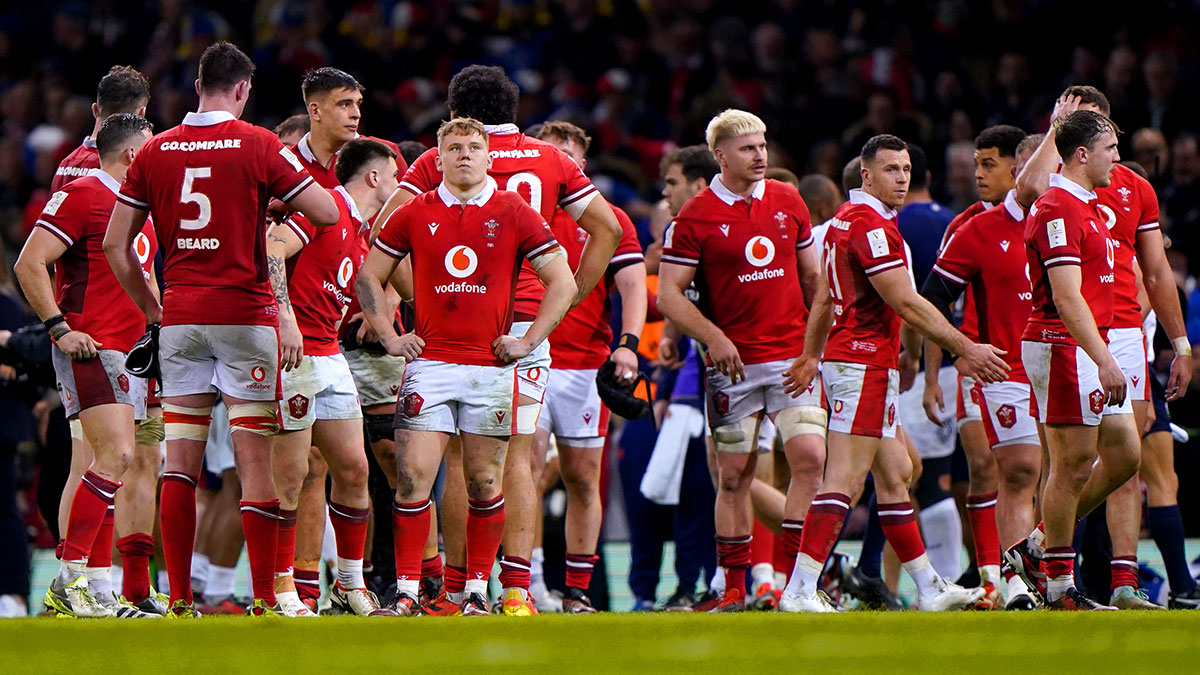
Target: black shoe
{"type": "Point", "coordinates": [576, 602]}
{"type": "Point", "coordinates": [680, 601]}
{"type": "Point", "coordinates": [871, 592]}
{"type": "Point", "coordinates": [1074, 599]}
{"type": "Point", "coordinates": [969, 578]}
{"type": "Point", "coordinates": [430, 588]}
{"type": "Point", "coordinates": [475, 605]}
{"type": "Point", "coordinates": [1021, 603]}
{"type": "Point", "coordinates": [1026, 565]}
{"type": "Point", "coordinates": [1189, 600]}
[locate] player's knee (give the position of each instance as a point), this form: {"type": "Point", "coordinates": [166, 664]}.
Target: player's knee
{"type": "Point", "coordinates": [150, 431]}
{"type": "Point", "coordinates": [737, 438]}
{"type": "Point", "coordinates": [257, 417]}
{"type": "Point", "coordinates": [579, 485]}
{"type": "Point", "coordinates": [1020, 476]}
{"type": "Point", "coordinates": [186, 423]}
{"type": "Point", "coordinates": [352, 472]}
{"type": "Point", "coordinates": [802, 420]}
{"type": "Point", "coordinates": [982, 467]}
{"type": "Point", "coordinates": [482, 484]}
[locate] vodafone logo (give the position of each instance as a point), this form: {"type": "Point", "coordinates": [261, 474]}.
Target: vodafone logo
{"type": "Point", "coordinates": [141, 246]}
{"type": "Point", "coordinates": [461, 262]}
{"type": "Point", "coordinates": [760, 251]}
{"type": "Point", "coordinates": [258, 373]}
{"type": "Point", "coordinates": [345, 271]}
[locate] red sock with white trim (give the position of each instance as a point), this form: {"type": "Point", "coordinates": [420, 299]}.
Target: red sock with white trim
{"type": "Point", "coordinates": [350, 534]}
{"type": "Point", "coordinates": [981, 515]}
{"type": "Point", "coordinates": [136, 551]}
{"type": "Point", "coordinates": [485, 528]}
{"type": "Point", "coordinates": [410, 531]}
{"type": "Point", "coordinates": [177, 511]}
{"type": "Point", "coordinates": [260, 523]}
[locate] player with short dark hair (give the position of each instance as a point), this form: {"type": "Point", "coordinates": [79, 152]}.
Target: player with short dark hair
{"type": "Point", "coordinates": [867, 287]}
{"type": "Point", "coordinates": [291, 130]}
{"type": "Point", "coordinates": [207, 183]}
{"type": "Point", "coordinates": [94, 325]}
{"type": "Point", "coordinates": [466, 240]}
{"type": "Point", "coordinates": [121, 90]}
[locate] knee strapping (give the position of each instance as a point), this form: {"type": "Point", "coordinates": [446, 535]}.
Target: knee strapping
{"type": "Point", "coordinates": [150, 431]}
{"type": "Point", "coordinates": [805, 419]}
{"type": "Point", "coordinates": [738, 437]}
{"type": "Point", "coordinates": [379, 427]}
{"type": "Point", "coordinates": [256, 417]}
{"type": "Point", "coordinates": [527, 417]}
{"type": "Point", "coordinates": [184, 423]}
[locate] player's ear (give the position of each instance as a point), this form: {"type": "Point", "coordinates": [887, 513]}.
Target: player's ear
{"type": "Point", "coordinates": [96, 111]}
{"type": "Point", "coordinates": [314, 111]}
{"type": "Point", "coordinates": [372, 178]}
{"type": "Point", "coordinates": [197, 86]}
{"type": "Point", "coordinates": [241, 91]}
{"type": "Point", "coordinates": [437, 162]}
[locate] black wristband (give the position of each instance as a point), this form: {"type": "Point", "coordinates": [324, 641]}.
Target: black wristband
{"type": "Point", "coordinates": [53, 321]}
{"type": "Point", "coordinates": [629, 341]}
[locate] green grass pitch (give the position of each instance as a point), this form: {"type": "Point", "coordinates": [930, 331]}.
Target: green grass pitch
{"type": "Point", "coordinates": [900, 642]}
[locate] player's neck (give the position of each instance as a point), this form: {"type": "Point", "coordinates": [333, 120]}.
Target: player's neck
{"type": "Point", "coordinates": [96, 128]}
{"type": "Point", "coordinates": [324, 146]}
{"type": "Point", "coordinates": [739, 186]}
{"type": "Point", "coordinates": [364, 200]}
{"type": "Point", "coordinates": [1076, 174]}
{"type": "Point", "coordinates": [220, 103]}
{"type": "Point", "coordinates": [115, 169]}
{"type": "Point", "coordinates": [464, 193]}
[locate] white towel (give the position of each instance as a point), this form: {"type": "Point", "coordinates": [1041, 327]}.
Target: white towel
{"type": "Point", "coordinates": [664, 473]}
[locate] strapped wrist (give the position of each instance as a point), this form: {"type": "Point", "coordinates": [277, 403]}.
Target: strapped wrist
{"type": "Point", "coordinates": [628, 341]}
{"type": "Point", "coordinates": [1182, 346]}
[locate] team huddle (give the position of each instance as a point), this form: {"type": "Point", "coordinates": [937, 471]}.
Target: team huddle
{"type": "Point", "coordinates": [458, 311]}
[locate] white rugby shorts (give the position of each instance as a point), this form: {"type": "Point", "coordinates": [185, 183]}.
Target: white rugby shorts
{"type": "Point", "coordinates": [761, 391]}
{"type": "Point", "coordinates": [450, 397]}
{"type": "Point", "coordinates": [1008, 419]}
{"type": "Point", "coordinates": [1128, 347]}
{"type": "Point", "coordinates": [376, 376]}
{"type": "Point", "coordinates": [863, 399]}
{"type": "Point", "coordinates": [1066, 384]}
{"type": "Point", "coordinates": [320, 388]}
{"type": "Point", "coordinates": [240, 361]}
{"type": "Point", "coordinates": [930, 440]}
{"type": "Point", "coordinates": [533, 371]}
{"type": "Point", "coordinates": [573, 412]}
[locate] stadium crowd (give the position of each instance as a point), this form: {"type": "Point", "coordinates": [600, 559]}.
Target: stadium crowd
{"type": "Point", "coordinates": [622, 127]}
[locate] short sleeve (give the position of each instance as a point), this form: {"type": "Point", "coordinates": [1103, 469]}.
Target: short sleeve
{"type": "Point", "coordinates": [578, 189]}
{"type": "Point", "coordinates": [286, 176]}
{"type": "Point", "coordinates": [536, 237]}
{"type": "Point", "coordinates": [1057, 239]}
{"type": "Point", "coordinates": [878, 247]}
{"type": "Point", "coordinates": [804, 235]}
{"type": "Point", "coordinates": [629, 249]}
{"type": "Point", "coordinates": [303, 229]}
{"type": "Point", "coordinates": [393, 237]}
{"type": "Point", "coordinates": [65, 215]}
{"type": "Point", "coordinates": [423, 175]}
{"type": "Point", "coordinates": [1149, 202]}
{"type": "Point", "coordinates": [133, 190]}
{"type": "Point", "coordinates": [958, 261]}
{"type": "Point", "coordinates": [681, 246]}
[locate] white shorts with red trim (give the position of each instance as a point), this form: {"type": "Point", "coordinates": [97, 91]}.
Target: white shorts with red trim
{"type": "Point", "coordinates": [1128, 347]}
{"type": "Point", "coordinates": [932, 441]}
{"type": "Point", "coordinates": [450, 397]}
{"type": "Point", "coordinates": [863, 400]}
{"type": "Point", "coordinates": [376, 376]}
{"type": "Point", "coordinates": [320, 388]}
{"type": "Point", "coordinates": [965, 406]}
{"type": "Point", "coordinates": [761, 391]}
{"type": "Point", "coordinates": [533, 371]}
{"type": "Point", "coordinates": [239, 361]}
{"type": "Point", "coordinates": [1008, 420]}
{"type": "Point", "coordinates": [573, 411]}
{"type": "Point", "coordinates": [1066, 384]}
{"type": "Point", "coordinates": [99, 380]}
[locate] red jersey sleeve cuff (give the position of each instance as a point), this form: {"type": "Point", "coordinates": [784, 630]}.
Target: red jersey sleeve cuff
{"type": "Point", "coordinates": [1146, 227]}
{"type": "Point", "coordinates": [949, 275]}
{"type": "Point", "coordinates": [806, 243]}
{"type": "Point", "coordinates": [291, 222]}
{"type": "Point", "coordinates": [1062, 260]}
{"type": "Point", "coordinates": [291, 194]}
{"type": "Point", "coordinates": [410, 188]}
{"type": "Point", "coordinates": [49, 227]}
{"type": "Point", "coordinates": [398, 255]}
{"type": "Point", "coordinates": [130, 201]}
{"type": "Point", "coordinates": [542, 248]}
{"type": "Point", "coordinates": [680, 260]}
{"type": "Point", "coordinates": [883, 267]}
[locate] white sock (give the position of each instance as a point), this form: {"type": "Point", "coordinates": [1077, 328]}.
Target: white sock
{"type": "Point", "coordinates": [220, 582]}
{"type": "Point", "coordinates": [69, 571]}
{"type": "Point", "coordinates": [457, 597]}
{"type": "Point", "coordinates": [100, 581]}
{"type": "Point", "coordinates": [1037, 540]}
{"type": "Point", "coordinates": [1058, 586]}
{"type": "Point", "coordinates": [476, 586]}
{"type": "Point", "coordinates": [717, 585]}
{"type": "Point", "coordinates": [537, 576]}
{"type": "Point", "coordinates": [1016, 587]}
{"type": "Point", "coordinates": [990, 573]}
{"type": "Point", "coordinates": [409, 587]}
{"type": "Point", "coordinates": [762, 573]}
{"type": "Point", "coordinates": [164, 583]}
{"type": "Point", "coordinates": [350, 573]}
{"type": "Point", "coordinates": [200, 572]}
{"type": "Point", "coordinates": [942, 531]}
{"type": "Point", "coordinates": [922, 572]}
{"type": "Point", "coordinates": [804, 576]}
{"type": "Point", "coordinates": [117, 574]}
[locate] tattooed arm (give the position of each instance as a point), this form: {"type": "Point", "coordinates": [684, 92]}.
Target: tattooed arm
{"type": "Point", "coordinates": [283, 243]}
{"type": "Point", "coordinates": [379, 311]}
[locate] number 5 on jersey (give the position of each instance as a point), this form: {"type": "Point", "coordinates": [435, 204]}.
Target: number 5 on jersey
{"type": "Point", "coordinates": [189, 196]}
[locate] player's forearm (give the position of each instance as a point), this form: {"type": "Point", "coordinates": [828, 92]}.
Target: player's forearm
{"type": "Point", "coordinates": [933, 360]}
{"type": "Point", "coordinates": [604, 233]}
{"type": "Point", "coordinates": [820, 320]}
{"type": "Point", "coordinates": [808, 270]}
{"type": "Point", "coordinates": [911, 339]}
{"type": "Point", "coordinates": [1034, 179]}
{"type": "Point", "coordinates": [1077, 317]}
{"type": "Point", "coordinates": [555, 303]}
{"type": "Point", "coordinates": [34, 277]}
{"type": "Point", "coordinates": [685, 316]}
{"type": "Point", "coordinates": [631, 285]}
{"type": "Point", "coordinates": [375, 306]}
{"type": "Point", "coordinates": [277, 271]}
{"type": "Point", "coordinates": [1164, 299]}
{"type": "Point", "coordinates": [128, 271]}
{"type": "Point", "coordinates": [401, 282]}
{"type": "Point", "coordinates": [924, 317]}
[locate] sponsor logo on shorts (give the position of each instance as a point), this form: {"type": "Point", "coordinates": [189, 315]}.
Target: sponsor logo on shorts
{"type": "Point", "coordinates": [1096, 401]}
{"type": "Point", "coordinates": [587, 418]}
{"type": "Point", "coordinates": [760, 251]}
{"type": "Point", "coordinates": [258, 373]}
{"type": "Point", "coordinates": [298, 406]}
{"type": "Point", "coordinates": [1007, 415]}
{"type": "Point", "coordinates": [461, 262]}
{"type": "Point", "coordinates": [532, 374]}
{"type": "Point", "coordinates": [837, 406]}
{"type": "Point", "coordinates": [394, 389]}
{"type": "Point", "coordinates": [500, 416]}
{"type": "Point", "coordinates": [1135, 379]}
{"type": "Point", "coordinates": [123, 382]}
{"type": "Point", "coordinates": [891, 414]}
{"type": "Point", "coordinates": [410, 406]}
{"type": "Point", "coordinates": [721, 402]}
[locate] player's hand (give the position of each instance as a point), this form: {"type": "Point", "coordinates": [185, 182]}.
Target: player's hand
{"type": "Point", "coordinates": [365, 332]}
{"type": "Point", "coordinates": [725, 358]}
{"type": "Point", "coordinates": [1112, 382]}
{"type": "Point", "coordinates": [800, 375]}
{"type": "Point", "coordinates": [668, 354]}
{"type": "Point", "coordinates": [1065, 105]}
{"type": "Point", "coordinates": [908, 371]}
{"type": "Point", "coordinates": [154, 315]}
{"type": "Point", "coordinates": [409, 345]}
{"type": "Point", "coordinates": [79, 345]}
{"type": "Point", "coordinates": [627, 363]}
{"type": "Point", "coordinates": [508, 348]}
{"type": "Point", "coordinates": [932, 401]}
{"type": "Point", "coordinates": [983, 362]}
{"type": "Point", "coordinates": [291, 343]}
{"type": "Point", "coordinates": [1180, 378]}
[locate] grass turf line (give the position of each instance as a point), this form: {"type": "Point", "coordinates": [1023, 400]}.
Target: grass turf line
{"type": "Point", "coordinates": [899, 642]}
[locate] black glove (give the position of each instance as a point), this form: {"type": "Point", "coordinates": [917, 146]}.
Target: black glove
{"type": "Point", "coordinates": [143, 358]}
{"type": "Point", "coordinates": [619, 395]}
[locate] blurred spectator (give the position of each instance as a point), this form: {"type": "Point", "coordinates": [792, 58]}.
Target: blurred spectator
{"type": "Point", "coordinates": [1181, 199]}
{"type": "Point", "coordinates": [1150, 150]}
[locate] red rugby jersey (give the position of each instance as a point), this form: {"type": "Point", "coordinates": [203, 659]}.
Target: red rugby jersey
{"type": "Point", "coordinates": [465, 260]}
{"type": "Point", "coordinates": [320, 274]}
{"type": "Point", "coordinates": [745, 259]}
{"type": "Point", "coordinates": [207, 182]}
{"type": "Point", "coordinates": [326, 176]}
{"type": "Point", "coordinates": [1129, 206]}
{"type": "Point", "coordinates": [87, 291]}
{"type": "Point", "coordinates": [77, 164]}
{"type": "Point", "coordinates": [987, 254]}
{"type": "Point", "coordinates": [969, 320]}
{"type": "Point", "coordinates": [1065, 227]}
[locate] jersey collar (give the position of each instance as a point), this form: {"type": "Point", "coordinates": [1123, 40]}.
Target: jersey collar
{"type": "Point", "coordinates": [501, 129]}
{"type": "Point", "coordinates": [1014, 209]}
{"type": "Point", "coordinates": [857, 196]}
{"type": "Point", "coordinates": [479, 199]}
{"type": "Point", "coordinates": [350, 203]}
{"type": "Point", "coordinates": [1060, 181]}
{"type": "Point", "coordinates": [729, 197]}
{"type": "Point", "coordinates": [89, 143]}
{"type": "Point", "coordinates": [207, 119]}
{"type": "Point", "coordinates": [109, 182]}
{"type": "Point", "coordinates": [305, 150]}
